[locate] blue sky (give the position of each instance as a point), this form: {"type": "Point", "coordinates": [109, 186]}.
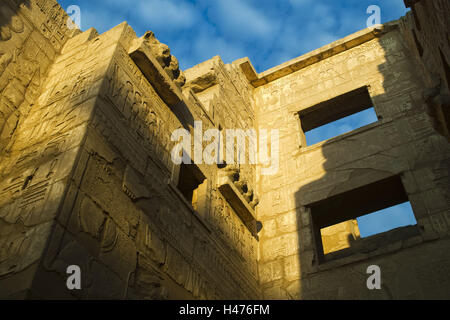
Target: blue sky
{"type": "Point", "coordinates": [387, 219]}
{"type": "Point", "coordinates": [341, 126]}
{"type": "Point", "coordinates": [269, 32]}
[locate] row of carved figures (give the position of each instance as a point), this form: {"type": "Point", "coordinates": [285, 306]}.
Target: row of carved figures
{"type": "Point", "coordinates": [242, 185]}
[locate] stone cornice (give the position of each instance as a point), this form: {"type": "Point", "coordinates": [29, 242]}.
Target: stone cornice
{"type": "Point", "coordinates": [351, 41]}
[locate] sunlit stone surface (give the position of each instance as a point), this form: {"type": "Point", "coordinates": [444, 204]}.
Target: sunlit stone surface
{"type": "Point", "coordinates": [87, 179]}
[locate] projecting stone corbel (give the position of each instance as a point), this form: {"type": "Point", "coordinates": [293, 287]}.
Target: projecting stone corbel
{"type": "Point", "coordinates": [169, 91]}
{"type": "Point", "coordinates": [239, 204]}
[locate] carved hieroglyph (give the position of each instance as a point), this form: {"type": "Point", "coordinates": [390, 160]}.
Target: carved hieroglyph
{"type": "Point", "coordinates": [86, 176]}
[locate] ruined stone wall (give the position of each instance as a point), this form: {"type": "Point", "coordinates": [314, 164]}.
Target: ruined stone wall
{"type": "Point", "coordinates": [38, 137]}
{"type": "Point", "coordinates": [403, 142]}
{"type": "Point", "coordinates": [32, 34]}
{"type": "Point", "coordinates": [426, 29]}
{"type": "Point", "coordinates": [88, 180]}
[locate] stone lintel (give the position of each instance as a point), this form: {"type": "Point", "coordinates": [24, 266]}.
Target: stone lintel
{"type": "Point", "coordinates": [351, 41]}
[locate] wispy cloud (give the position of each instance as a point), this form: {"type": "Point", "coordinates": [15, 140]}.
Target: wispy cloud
{"type": "Point", "coordinates": [239, 20]}
{"type": "Point", "coordinates": [175, 16]}
{"type": "Point", "coordinates": [268, 32]}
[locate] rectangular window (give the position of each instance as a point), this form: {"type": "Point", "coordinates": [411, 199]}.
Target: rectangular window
{"type": "Point", "coordinates": [345, 223]}
{"type": "Point", "coordinates": [191, 183]}
{"type": "Point", "coordinates": [336, 116]}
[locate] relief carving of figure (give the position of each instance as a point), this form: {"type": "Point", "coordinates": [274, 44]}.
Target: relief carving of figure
{"type": "Point", "coordinates": [128, 100]}
{"type": "Point", "coordinates": [5, 33]}
{"type": "Point", "coordinates": [218, 212]}
{"type": "Point", "coordinates": [5, 59]}
{"type": "Point", "coordinates": [15, 23]}
{"type": "Point", "coordinates": [152, 122]}
{"type": "Point", "coordinates": [135, 108]}
{"type": "Point", "coordinates": [21, 76]}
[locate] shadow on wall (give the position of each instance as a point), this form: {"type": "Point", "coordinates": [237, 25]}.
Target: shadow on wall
{"type": "Point", "coordinates": [366, 172]}
{"type": "Point", "coordinates": [10, 24]}
{"type": "Point", "coordinates": [7, 23]}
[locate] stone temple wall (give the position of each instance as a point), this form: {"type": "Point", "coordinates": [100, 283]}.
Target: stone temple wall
{"type": "Point", "coordinates": [426, 30]}
{"type": "Point", "coordinates": [35, 157]}
{"type": "Point", "coordinates": [87, 178]}
{"type": "Point", "coordinates": [401, 146]}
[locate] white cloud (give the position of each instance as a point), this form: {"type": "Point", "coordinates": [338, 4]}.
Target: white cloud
{"type": "Point", "coordinates": [101, 19]}
{"type": "Point", "coordinates": [209, 45]}
{"type": "Point", "coordinates": [239, 19]}
{"type": "Point", "coordinates": [167, 14]}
